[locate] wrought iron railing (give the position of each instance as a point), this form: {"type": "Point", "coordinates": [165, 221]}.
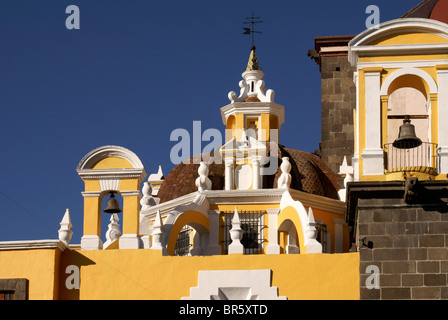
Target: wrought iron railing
{"type": "Point", "coordinates": [421, 159]}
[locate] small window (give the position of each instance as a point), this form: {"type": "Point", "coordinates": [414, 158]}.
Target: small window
{"type": "Point", "coordinates": [252, 223]}
{"type": "Point", "coordinates": [183, 242]}
{"type": "Point", "coordinates": [6, 295]}
{"type": "Point", "coordinates": [13, 289]}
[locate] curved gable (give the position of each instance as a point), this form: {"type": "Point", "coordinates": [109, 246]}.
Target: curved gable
{"type": "Point", "coordinates": [108, 157]}
{"type": "Point", "coordinates": [414, 35]}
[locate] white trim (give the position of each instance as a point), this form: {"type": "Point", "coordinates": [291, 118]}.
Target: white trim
{"type": "Point", "coordinates": [403, 64]}
{"type": "Point", "coordinates": [258, 281]}
{"type": "Point", "coordinates": [33, 244]}
{"type": "Point", "coordinates": [100, 153]}
{"type": "Point", "coordinates": [253, 108]}
{"type": "Point", "coordinates": [359, 44]}
{"type": "Point", "coordinates": [409, 71]}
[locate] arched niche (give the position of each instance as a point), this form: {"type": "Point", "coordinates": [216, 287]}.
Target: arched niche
{"type": "Point", "coordinates": [174, 225]}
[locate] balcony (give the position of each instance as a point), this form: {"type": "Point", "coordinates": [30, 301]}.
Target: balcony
{"type": "Point", "coordinates": [422, 159]}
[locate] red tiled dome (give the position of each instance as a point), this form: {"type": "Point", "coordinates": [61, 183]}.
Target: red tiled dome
{"type": "Point", "coordinates": [309, 174]}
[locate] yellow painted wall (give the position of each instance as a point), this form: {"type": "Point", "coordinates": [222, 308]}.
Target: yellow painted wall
{"type": "Point", "coordinates": [409, 37]}
{"type": "Point", "coordinates": [39, 266]}
{"type": "Point", "coordinates": [145, 274]}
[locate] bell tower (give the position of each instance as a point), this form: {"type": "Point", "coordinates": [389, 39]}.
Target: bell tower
{"type": "Point", "coordinates": [252, 120]}
{"type": "Point", "coordinates": [402, 100]}
{"type": "Point", "coordinates": [106, 171]}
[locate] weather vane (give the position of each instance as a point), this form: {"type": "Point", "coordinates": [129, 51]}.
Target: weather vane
{"type": "Point", "coordinates": [251, 31]}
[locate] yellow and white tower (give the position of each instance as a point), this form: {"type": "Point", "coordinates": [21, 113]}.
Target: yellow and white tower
{"type": "Point", "coordinates": [252, 120]}
{"type": "Point", "coordinates": [401, 76]}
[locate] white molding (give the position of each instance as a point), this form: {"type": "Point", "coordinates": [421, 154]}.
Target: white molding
{"type": "Point", "coordinates": [33, 244]}
{"type": "Point", "coordinates": [109, 184]}
{"type": "Point", "coordinates": [402, 64]}
{"type": "Point", "coordinates": [129, 241]}
{"type": "Point", "coordinates": [210, 281]}
{"type": "Point", "coordinates": [253, 108]}
{"type": "Point", "coordinates": [359, 44]}
{"type": "Point", "coordinates": [91, 242]}
{"type": "Point", "coordinates": [409, 71]}
{"type": "Point", "coordinates": [102, 174]}
{"type": "Point", "coordinates": [90, 159]}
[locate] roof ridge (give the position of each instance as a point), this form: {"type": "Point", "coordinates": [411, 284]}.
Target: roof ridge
{"type": "Point", "coordinates": [418, 7]}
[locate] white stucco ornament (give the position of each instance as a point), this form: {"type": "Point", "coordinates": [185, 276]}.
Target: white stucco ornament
{"type": "Point", "coordinates": [203, 182]}
{"type": "Point", "coordinates": [285, 179]}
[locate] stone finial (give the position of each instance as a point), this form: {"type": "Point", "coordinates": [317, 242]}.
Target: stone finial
{"type": "Point", "coordinates": [285, 179]}
{"type": "Point", "coordinates": [158, 234]}
{"type": "Point", "coordinates": [252, 88]}
{"type": "Point", "coordinates": [113, 230]}
{"type": "Point", "coordinates": [203, 182]}
{"type": "Point", "coordinates": [236, 234]}
{"type": "Point", "coordinates": [313, 246]}
{"type": "Point", "coordinates": [147, 200]}
{"type": "Point", "coordinates": [65, 234]}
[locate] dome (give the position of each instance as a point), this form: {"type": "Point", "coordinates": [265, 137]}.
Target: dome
{"type": "Point", "coordinates": [308, 172]}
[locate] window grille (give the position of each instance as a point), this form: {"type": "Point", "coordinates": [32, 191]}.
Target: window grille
{"type": "Point", "coordinates": [252, 223]}
{"type": "Point", "coordinates": [183, 242]}
{"type": "Point", "coordinates": [6, 295]}
{"type": "Point", "coordinates": [322, 235]}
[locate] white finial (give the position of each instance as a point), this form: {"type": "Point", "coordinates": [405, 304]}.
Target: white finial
{"type": "Point", "coordinates": [158, 234]}
{"type": "Point", "coordinates": [65, 234]}
{"type": "Point", "coordinates": [285, 179]}
{"type": "Point", "coordinates": [113, 230]}
{"type": "Point", "coordinates": [236, 234]}
{"type": "Point", "coordinates": [203, 182]}
{"type": "Point", "coordinates": [147, 200]}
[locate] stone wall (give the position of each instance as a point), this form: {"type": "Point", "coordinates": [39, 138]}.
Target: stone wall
{"type": "Point", "coordinates": [338, 103]}
{"type": "Point", "coordinates": [409, 240]}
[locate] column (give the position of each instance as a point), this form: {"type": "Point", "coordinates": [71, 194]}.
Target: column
{"type": "Point", "coordinates": [442, 154]}
{"type": "Point", "coordinates": [273, 247]}
{"type": "Point", "coordinates": [229, 173]}
{"type": "Point", "coordinates": [131, 211]}
{"type": "Point", "coordinates": [91, 239]}
{"type": "Point", "coordinates": [256, 173]}
{"type": "Point", "coordinates": [213, 239]}
{"type": "Point", "coordinates": [373, 155]}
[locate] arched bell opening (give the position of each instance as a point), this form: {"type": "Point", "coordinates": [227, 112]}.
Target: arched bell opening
{"type": "Point", "coordinates": [408, 134]}
{"type": "Point", "coordinates": [111, 216]}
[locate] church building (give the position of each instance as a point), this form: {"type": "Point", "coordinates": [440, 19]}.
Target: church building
{"type": "Point", "coordinates": [365, 218]}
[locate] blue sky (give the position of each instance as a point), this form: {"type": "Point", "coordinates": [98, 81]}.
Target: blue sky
{"type": "Point", "coordinates": [135, 71]}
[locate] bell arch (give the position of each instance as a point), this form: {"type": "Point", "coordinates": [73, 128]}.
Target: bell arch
{"type": "Point", "coordinates": [106, 169]}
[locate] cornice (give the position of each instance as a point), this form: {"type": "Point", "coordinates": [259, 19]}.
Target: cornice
{"type": "Point", "coordinates": [253, 108]}
{"type": "Point", "coordinates": [33, 244]}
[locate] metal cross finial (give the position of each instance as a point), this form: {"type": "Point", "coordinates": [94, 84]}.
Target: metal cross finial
{"type": "Point", "coordinates": [252, 21]}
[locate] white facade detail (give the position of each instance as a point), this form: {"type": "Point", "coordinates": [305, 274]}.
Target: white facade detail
{"type": "Point", "coordinates": [65, 234]}
{"type": "Point", "coordinates": [234, 284]}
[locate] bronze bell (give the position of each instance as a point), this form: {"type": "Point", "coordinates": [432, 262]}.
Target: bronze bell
{"type": "Point", "coordinates": [407, 138]}
{"type": "Point", "coordinates": [112, 205]}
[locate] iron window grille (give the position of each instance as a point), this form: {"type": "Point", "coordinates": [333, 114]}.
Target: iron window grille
{"type": "Point", "coordinates": [183, 242]}
{"type": "Point", "coordinates": [252, 223]}
{"type": "Point", "coordinates": [322, 236]}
